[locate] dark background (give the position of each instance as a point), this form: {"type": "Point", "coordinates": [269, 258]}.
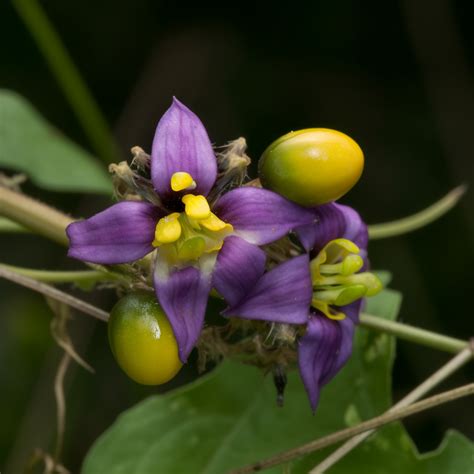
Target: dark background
{"type": "Point", "coordinates": [394, 75]}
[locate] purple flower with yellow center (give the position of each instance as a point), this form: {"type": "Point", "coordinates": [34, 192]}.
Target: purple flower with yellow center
{"type": "Point", "coordinates": [323, 289]}
{"type": "Point", "coordinates": [189, 233]}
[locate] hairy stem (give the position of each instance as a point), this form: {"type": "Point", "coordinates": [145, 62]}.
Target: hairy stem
{"type": "Point", "coordinates": [34, 215]}
{"type": "Point", "coordinates": [68, 78]}
{"type": "Point", "coordinates": [418, 220]}
{"type": "Point", "coordinates": [371, 424]}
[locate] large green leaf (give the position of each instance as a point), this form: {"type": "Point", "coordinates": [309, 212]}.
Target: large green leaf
{"type": "Point", "coordinates": [30, 144]}
{"type": "Point", "coordinates": [230, 418]}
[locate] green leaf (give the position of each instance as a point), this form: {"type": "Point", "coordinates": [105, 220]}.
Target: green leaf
{"type": "Point", "coordinates": [28, 143]}
{"type": "Point", "coordinates": [230, 418]}
{"type": "Point", "coordinates": [386, 304]}
{"type": "Point", "coordinates": [384, 276]}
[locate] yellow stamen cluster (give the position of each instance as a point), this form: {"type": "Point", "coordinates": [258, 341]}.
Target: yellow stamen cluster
{"type": "Point", "coordinates": [335, 278]}
{"type": "Point", "coordinates": [189, 234]}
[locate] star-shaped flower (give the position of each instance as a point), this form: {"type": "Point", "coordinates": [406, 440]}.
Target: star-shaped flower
{"type": "Point", "coordinates": [199, 244]}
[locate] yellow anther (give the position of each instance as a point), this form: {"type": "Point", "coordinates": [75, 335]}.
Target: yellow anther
{"type": "Point", "coordinates": [214, 223]}
{"type": "Point", "coordinates": [182, 180]}
{"type": "Point", "coordinates": [327, 310]}
{"type": "Point", "coordinates": [338, 249]}
{"type": "Point", "coordinates": [167, 230]}
{"type": "Point", "coordinates": [345, 244]}
{"type": "Point", "coordinates": [351, 264]}
{"type": "Point", "coordinates": [334, 251]}
{"type": "Point", "coordinates": [196, 207]}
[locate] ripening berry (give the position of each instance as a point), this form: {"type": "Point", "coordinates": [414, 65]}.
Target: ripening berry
{"type": "Point", "coordinates": [312, 166]}
{"type": "Point", "coordinates": [142, 340]}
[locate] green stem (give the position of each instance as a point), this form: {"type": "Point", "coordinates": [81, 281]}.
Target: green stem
{"type": "Point", "coordinates": [69, 78]}
{"type": "Point", "coordinates": [413, 334]}
{"type": "Point", "coordinates": [8, 226]}
{"type": "Point", "coordinates": [418, 220]}
{"type": "Point", "coordinates": [79, 276]}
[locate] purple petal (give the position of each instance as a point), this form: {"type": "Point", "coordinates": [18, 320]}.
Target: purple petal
{"type": "Point", "coordinates": [260, 216]}
{"type": "Point", "coordinates": [239, 266]}
{"type": "Point", "coordinates": [282, 295]}
{"type": "Point", "coordinates": [181, 143]}
{"type": "Point", "coordinates": [347, 328]}
{"type": "Point", "coordinates": [334, 221]}
{"type": "Point", "coordinates": [322, 352]}
{"type": "Point", "coordinates": [183, 296]}
{"type": "Point", "coordinates": [120, 234]}
{"type": "Point", "coordinates": [352, 310]}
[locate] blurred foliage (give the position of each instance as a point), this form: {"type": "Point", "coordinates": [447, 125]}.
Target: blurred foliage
{"type": "Point", "coordinates": [29, 144]}
{"type": "Point", "coordinates": [396, 76]}
{"type": "Point", "coordinates": [230, 419]}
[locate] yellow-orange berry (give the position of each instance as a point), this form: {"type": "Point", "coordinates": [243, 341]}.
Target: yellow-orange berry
{"type": "Point", "coordinates": [312, 166]}
{"type": "Point", "coordinates": [142, 340]}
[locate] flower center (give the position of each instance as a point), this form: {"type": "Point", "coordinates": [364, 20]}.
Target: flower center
{"type": "Point", "coordinates": [189, 234]}
{"type": "Point", "coordinates": [336, 281]}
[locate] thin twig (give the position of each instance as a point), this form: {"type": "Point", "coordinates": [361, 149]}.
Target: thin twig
{"type": "Point", "coordinates": [60, 332]}
{"type": "Point", "coordinates": [435, 379]}
{"type": "Point", "coordinates": [54, 293]}
{"type": "Point", "coordinates": [60, 406]}
{"type": "Point", "coordinates": [49, 466]}
{"type": "Point", "coordinates": [338, 436]}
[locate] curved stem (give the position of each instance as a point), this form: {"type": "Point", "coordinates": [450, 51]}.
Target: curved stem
{"type": "Point", "coordinates": [418, 220]}
{"type": "Point", "coordinates": [69, 78]}
{"type": "Point", "coordinates": [60, 407]}
{"type": "Point", "coordinates": [413, 334]}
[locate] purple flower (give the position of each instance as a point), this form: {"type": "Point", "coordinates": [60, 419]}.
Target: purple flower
{"type": "Point", "coordinates": [189, 233]}
{"type": "Point", "coordinates": [322, 289]}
